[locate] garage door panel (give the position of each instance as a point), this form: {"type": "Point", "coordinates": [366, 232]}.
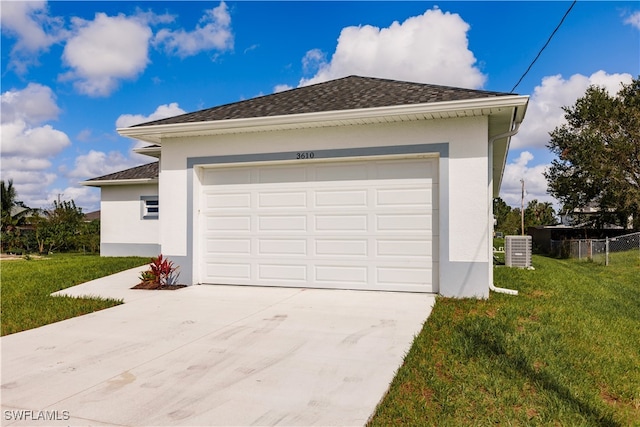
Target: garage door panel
{"type": "Point", "coordinates": [232, 273]}
{"type": "Point", "coordinates": [399, 197]}
{"type": "Point", "coordinates": [270, 247]}
{"type": "Point", "coordinates": [289, 200]}
{"type": "Point", "coordinates": [341, 198]}
{"type": "Point", "coordinates": [333, 223]}
{"type": "Point", "coordinates": [282, 174]}
{"type": "Point", "coordinates": [351, 225]}
{"type": "Point", "coordinates": [403, 276]}
{"type": "Point", "coordinates": [404, 248]}
{"type": "Point", "coordinates": [228, 201]}
{"type": "Point", "coordinates": [282, 272]}
{"type": "Point", "coordinates": [228, 223]}
{"type": "Point", "coordinates": [341, 247]}
{"type": "Point", "coordinates": [229, 176]}
{"type": "Point", "coordinates": [284, 223]}
{"type": "Point", "coordinates": [341, 274]}
{"type": "Point", "coordinates": [224, 247]}
{"type": "Point", "coordinates": [411, 223]}
{"type": "Point", "coordinates": [403, 169]}
{"type": "Point", "coordinates": [342, 172]}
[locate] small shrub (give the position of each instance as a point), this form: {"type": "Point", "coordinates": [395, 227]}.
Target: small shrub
{"type": "Point", "coordinates": [147, 277]}
{"type": "Point", "coordinates": [161, 272]}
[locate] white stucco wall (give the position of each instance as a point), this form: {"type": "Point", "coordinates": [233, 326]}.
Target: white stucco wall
{"type": "Point", "coordinates": [464, 186]}
{"type": "Point", "coordinates": [123, 231]}
{"type": "Point", "coordinates": [468, 194]}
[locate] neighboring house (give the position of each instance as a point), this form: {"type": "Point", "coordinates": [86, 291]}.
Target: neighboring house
{"type": "Point", "coordinates": [355, 183]}
{"type": "Point", "coordinates": [584, 217]}
{"type": "Point", "coordinates": [92, 216]}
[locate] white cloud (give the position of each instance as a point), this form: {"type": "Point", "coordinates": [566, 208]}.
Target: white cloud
{"type": "Point", "coordinates": [19, 139]}
{"type": "Point", "coordinates": [105, 51]}
{"type": "Point", "coordinates": [162, 112]}
{"type": "Point", "coordinates": [30, 184]}
{"type": "Point", "coordinates": [14, 163]}
{"type": "Point", "coordinates": [152, 18]}
{"type": "Point", "coordinates": [544, 112]}
{"type": "Point", "coordinates": [251, 48]}
{"type": "Point", "coordinates": [281, 88]}
{"type": "Point", "coordinates": [35, 31]}
{"type": "Point", "coordinates": [535, 182]}
{"type": "Point", "coordinates": [98, 163]}
{"type": "Point", "coordinates": [87, 198]}
{"type": "Point", "coordinates": [213, 32]}
{"type": "Point", "coordinates": [313, 60]}
{"type": "Point", "coordinates": [430, 48]}
{"type": "Point", "coordinates": [633, 20]}
{"type": "Point", "coordinates": [23, 130]}
{"type": "Point", "coordinates": [28, 143]}
{"type": "Point", "coordinates": [33, 104]}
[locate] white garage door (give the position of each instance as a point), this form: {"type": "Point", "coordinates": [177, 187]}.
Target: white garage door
{"type": "Point", "coordinates": [348, 225]}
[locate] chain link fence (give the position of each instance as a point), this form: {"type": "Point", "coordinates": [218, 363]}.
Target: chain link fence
{"type": "Point", "coordinates": [602, 251]}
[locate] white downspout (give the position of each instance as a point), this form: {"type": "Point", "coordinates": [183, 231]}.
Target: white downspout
{"type": "Point", "coordinates": [491, 141]}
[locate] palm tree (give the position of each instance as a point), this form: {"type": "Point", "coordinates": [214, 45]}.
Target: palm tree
{"type": "Point", "coordinates": [8, 198]}
{"type": "Point", "coordinates": [545, 214]}
{"type": "Point", "coordinates": [14, 214]}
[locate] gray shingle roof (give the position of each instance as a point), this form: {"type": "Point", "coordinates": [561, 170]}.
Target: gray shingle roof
{"type": "Point", "coordinates": [347, 93]}
{"type": "Point", "coordinates": [148, 171]}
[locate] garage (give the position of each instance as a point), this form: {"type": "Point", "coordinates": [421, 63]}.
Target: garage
{"type": "Point", "coordinates": [349, 224]}
{"type": "Point", "coordinates": [352, 183]}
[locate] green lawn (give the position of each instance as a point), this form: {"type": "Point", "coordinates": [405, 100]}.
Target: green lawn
{"type": "Point", "coordinates": [26, 286]}
{"type": "Point", "coordinates": [565, 352]}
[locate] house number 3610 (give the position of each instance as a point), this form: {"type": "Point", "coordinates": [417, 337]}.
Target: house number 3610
{"type": "Point", "coordinates": [305, 155]}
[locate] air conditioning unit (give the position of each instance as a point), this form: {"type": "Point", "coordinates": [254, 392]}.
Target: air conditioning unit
{"type": "Point", "coordinates": [517, 251]}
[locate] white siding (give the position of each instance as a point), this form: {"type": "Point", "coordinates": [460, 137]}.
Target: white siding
{"type": "Point", "coordinates": [123, 231]}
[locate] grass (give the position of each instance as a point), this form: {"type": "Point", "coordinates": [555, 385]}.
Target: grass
{"type": "Point", "coordinates": [27, 284]}
{"type": "Point", "coordinates": [566, 351]}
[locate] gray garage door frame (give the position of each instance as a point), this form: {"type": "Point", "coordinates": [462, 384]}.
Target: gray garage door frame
{"type": "Point", "coordinates": [441, 150]}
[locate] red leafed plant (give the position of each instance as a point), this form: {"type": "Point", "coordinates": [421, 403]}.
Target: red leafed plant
{"type": "Point", "coordinates": [161, 272]}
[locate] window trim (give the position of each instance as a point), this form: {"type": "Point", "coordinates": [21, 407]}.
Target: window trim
{"type": "Point", "coordinates": [149, 207]}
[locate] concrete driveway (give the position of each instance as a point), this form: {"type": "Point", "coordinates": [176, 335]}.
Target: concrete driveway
{"type": "Point", "coordinates": [211, 355]}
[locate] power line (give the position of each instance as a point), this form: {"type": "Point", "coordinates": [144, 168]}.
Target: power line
{"type": "Point", "coordinates": [545, 45]}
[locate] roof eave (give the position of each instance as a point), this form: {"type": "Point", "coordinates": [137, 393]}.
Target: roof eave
{"type": "Point", "coordinates": [113, 182]}
{"type": "Point", "coordinates": [152, 151]}
{"type": "Point", "coordinates": [433, 110]}
{"type": "Point", "coordinates": [501, 146]}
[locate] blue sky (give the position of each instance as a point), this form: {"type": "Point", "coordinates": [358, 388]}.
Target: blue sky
{"type": "Point", "coordinates": [72, 72]}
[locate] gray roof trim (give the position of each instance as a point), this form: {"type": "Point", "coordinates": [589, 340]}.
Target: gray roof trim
{"type": "Point", "coordinates": [144, 174]}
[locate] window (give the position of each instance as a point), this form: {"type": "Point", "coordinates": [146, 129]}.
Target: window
{"type": "Point", "coordinates": [150, 207]}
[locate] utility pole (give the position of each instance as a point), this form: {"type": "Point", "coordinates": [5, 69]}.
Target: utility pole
{"type": "Point", "coordinates": [522, 208]}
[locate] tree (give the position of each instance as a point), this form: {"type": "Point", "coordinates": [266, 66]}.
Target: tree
{"type": "Point", "coordinates": [7, 197]}
{"type": "Point", "coordinates": [60, 230]}
{"type": "Point", "coordinates": [598, 153]}
{"type": "Point", "coordinates": [89, 237]}
{"type": "Point", "coordinates": [511, 226]}
{"type": "Point", "coordinates": [539, 213]}
{"type": "Point", "coordinates": [500, 213]}
{"type": "Point", "coordinates": [508, 219]}
{"type": "Point", "coordinates": [13, 217]}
